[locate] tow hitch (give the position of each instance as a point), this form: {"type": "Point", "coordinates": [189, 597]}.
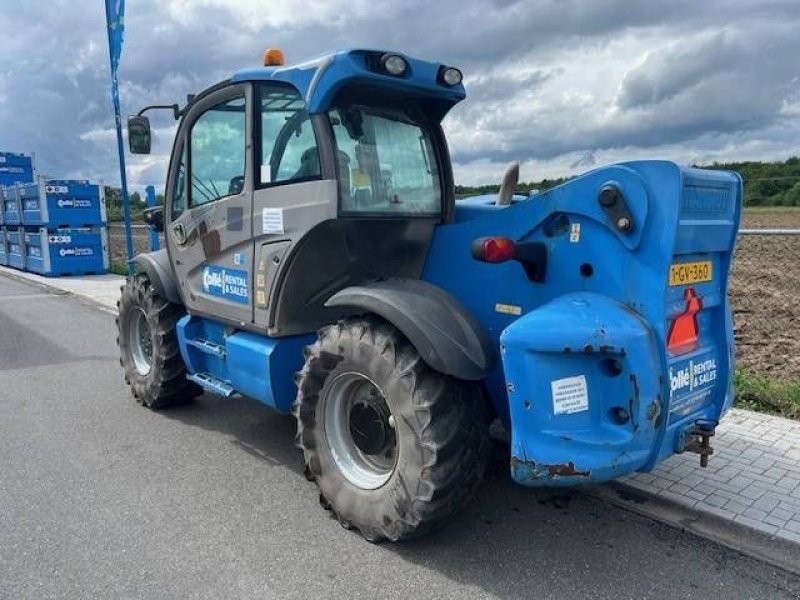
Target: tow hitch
{"type": "Point", "coordinates": [697, 439]}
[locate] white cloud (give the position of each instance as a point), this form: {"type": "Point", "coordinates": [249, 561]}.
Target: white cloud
{"type": "Point", "coordinates": [255, 15]}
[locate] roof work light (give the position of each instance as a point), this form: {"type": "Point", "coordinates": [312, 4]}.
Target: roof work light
{"type": "Point", "coordinates": [273, 57]}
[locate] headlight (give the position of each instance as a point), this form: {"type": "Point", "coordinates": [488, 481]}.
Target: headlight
{"type": "Point", "coordinates": [394, 64]}
{"type": "Point", "coordinates": [450, 76]}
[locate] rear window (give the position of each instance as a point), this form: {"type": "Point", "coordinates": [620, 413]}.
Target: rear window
{"type": "Point", "coordinates": [387, 162]}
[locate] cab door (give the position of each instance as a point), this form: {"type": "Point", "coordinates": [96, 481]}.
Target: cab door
{"type": "Point", "coordinates": [295, 192]}
{"type": "Point", "coordinates": [209, 199]}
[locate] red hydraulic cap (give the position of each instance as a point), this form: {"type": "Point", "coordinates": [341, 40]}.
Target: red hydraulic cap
{"type": "Point", "coordinates": [683, 331]}
{"type": "Point", "coordinates": [493, 249]}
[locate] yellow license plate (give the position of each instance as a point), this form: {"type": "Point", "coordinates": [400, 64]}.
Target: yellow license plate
{"type": "Point", "coordinates": [691, 272]}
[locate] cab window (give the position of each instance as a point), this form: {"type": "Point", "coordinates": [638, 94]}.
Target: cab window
{"type": "Point", "coordinates": [288, 145]}
{"type": "Point", "coordinates": [217, 152]}
{"type": "Point", "coordinates": [387, 164]}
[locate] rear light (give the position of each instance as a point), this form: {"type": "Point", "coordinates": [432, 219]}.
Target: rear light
{"type": "Point", "coordinates": [493, 249]}
{"type": "Point", "coordinates": [683, 332]}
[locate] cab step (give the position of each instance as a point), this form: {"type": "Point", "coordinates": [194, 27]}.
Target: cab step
{"type": "Point", "coordinates": [208, 347]}
{"type": "Point", "coordinates": [212, 384]}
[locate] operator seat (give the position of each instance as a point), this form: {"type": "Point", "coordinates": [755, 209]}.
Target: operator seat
{"type": "Point", "coordinates": [309, 164]}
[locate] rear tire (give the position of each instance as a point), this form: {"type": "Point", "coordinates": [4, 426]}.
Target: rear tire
{"type": "Point", "coordinates": [416, 469]}
{"type": "Point", "coordinates": [148, 345]}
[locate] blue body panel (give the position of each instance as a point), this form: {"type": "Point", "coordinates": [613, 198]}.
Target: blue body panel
{"type": "Point", "coordinates": [15, 168]}
{"type": "Point", "coordinates": [319, 79]}
{"type": "Point", "coordinates": [254, 365]}
{"type": "Point", "coordinates": [66, 251]}
{"type": "Point", "coordinates": [589, 327]}
{"type": "Point", "coordinates": [62, 203]}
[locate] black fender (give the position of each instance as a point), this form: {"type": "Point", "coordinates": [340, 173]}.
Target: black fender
{"type": "Point", "coordinates": [159, 270]}
{"type": "Point", "coordinates": [444, 332]}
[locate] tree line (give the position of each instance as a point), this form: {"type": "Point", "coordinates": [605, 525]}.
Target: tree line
{"type": "Point", "coordinates": [138, 204]}
{"type": "Point", "coordinates": [765, 183]}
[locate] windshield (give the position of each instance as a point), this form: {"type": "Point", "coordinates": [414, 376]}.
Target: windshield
{"type": "Point", "coordinates": [386, 162]}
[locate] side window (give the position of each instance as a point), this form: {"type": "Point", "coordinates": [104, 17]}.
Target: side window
{"type": "Point", "coordinates": [179, 190]}
{"type": "Point", "coordinates": [288, 144]}
{"type": "Point", "coordinates": [217, 145]}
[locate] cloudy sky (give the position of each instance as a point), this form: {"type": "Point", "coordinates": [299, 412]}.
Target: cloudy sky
{"type": "Point", "coordinates": [561, 86]}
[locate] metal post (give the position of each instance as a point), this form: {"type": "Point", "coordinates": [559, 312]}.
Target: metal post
{"type": "Point", "coordinates": [155, 242]}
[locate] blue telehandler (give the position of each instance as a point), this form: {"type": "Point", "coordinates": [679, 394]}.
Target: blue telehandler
{"type": "Point", "coordinates": [317, 261]}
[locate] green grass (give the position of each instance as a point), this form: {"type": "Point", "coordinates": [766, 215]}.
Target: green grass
{"type": "Point", "coordinates": [118, 268]}
{"type": "Point", "coordinates": [763, 394]}
{"type": "Point", "coordinates": [771, 209]}
{"type": "Point", "coordinates": [114, 213]}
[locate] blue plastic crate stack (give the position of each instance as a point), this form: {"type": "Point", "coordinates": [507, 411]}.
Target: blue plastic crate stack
{"type": "Point", "coordinates": [52, 227]}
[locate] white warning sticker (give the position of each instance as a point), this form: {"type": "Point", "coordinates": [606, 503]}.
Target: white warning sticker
{"type": "Point", "coordinates": [272, 220]}
{"type": "Point", "coordinates": [575, 233]}
{"type": "Point", "coordinates": [570, 395]}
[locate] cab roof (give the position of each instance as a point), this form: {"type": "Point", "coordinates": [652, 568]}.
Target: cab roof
{"type": "Point", "coordinates": [318, 80]}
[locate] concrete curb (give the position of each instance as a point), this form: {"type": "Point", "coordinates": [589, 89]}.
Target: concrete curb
{"type": "Point", "coordinates": [776, 552]}
{"type": "Point", "coordinates": [56, 289]}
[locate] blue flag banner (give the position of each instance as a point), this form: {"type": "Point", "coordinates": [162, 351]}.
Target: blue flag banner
{"type": "Point", "coordinates": [115, 15]}
{"type": "Point", "coordinates": [115, 21]}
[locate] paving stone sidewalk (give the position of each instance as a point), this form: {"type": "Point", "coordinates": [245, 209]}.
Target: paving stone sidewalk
{"type": "Point", "coordinates": [753, 478]}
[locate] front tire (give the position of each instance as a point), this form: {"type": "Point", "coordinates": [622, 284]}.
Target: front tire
{"type": "Point", "coordinates": [148, 345]}
{"type": "Point", "coordinates": [394, 446]}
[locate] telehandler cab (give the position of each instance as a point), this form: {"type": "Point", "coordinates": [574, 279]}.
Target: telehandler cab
{"type": "Point", "coordinates": [317, 261]}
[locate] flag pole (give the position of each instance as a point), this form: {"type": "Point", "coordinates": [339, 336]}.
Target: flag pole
{"type": "Point", "coordinates": [114, 26]}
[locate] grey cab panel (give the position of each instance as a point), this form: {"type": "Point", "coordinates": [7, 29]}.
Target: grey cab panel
{"type": "Point", "coordinates": [283, 216]}
{"type": "Point", "coordinates": [209, 233]}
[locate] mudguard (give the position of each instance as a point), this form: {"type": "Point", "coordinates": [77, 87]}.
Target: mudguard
{"type": "Point", "coordinates": [446, 335]}
{"type": "Point", "coordinates": [157, 266]}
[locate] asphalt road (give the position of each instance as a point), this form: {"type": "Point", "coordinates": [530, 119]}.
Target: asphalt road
{"type": "Point", "coordinates": [100, 498]}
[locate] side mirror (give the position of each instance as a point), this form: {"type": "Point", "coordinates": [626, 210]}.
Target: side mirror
{"type": "Point", "coordinates": [154, 217]}
{"type": "Point", "coordinates": [139, 134]}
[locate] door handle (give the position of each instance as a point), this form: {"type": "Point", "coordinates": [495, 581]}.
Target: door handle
{"type": "Point", "coordinates": [179, 231]}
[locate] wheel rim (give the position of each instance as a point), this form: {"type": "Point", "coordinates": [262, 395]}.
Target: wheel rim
{"type": "Point", "coordinates": [141, 342]}
{"type": "Point", "coordinates": [360, 430]}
